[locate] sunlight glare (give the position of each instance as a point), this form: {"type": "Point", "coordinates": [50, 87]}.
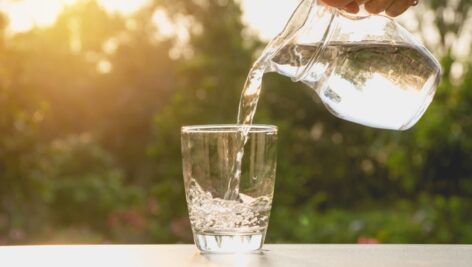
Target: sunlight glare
{"type": "Point", "coordinates": [104, 66]}
{"type": "Point", "coordinates": [164, 25]}
{"type": "Point", "coordinates": [125, 7]}
{"type": "Point", "coordinates": [267, 17]}
{"type": "Point", "coordinates": [110, 46]}
{"type": "Point", "coordinates": [23, 15]}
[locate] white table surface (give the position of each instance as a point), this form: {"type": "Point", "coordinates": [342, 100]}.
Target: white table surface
{"type": "Point", "coordinates": [272, 255]}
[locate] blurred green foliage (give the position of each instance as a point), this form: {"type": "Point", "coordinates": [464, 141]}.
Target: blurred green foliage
{"type": "Point", "coordinates": [90, 115]}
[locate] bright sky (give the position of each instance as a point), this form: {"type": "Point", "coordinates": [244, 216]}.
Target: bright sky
{"type": "Point", "coordinates": [24, 14]}
{"type": "Point", "coordinates": [265, 17]}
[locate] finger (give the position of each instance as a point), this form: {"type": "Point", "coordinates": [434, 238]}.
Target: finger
{"type": "Point", "coordinates": [399, 6]}
{"type": "Point", "coordinates": [352, 7]}
{"type": "Point", "coordinates": [377, 6]}
{"type": "Point", "coordinates": [337, 3]}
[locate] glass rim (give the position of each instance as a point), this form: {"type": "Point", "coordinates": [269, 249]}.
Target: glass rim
{"type": "Point", "coordinates": [232, 128]}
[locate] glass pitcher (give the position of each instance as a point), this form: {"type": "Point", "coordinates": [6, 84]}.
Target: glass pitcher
{"type": "Point", "coordinates": [365, 69]}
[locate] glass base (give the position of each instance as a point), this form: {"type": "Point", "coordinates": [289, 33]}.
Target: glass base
{"type": "Point", "coordinates": [220, 243]}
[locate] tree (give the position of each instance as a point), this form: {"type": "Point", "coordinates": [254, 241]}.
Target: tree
{"type": "Point", "coordinates": [90, 115]}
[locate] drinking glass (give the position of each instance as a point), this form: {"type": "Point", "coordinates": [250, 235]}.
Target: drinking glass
{"type": "Point", "coordinates": [229, 203]}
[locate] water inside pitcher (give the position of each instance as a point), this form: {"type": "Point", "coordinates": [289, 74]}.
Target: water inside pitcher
{"type": "Point", "coordinates": [365, 69]}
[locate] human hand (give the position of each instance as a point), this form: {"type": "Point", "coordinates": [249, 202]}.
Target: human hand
{"type": "Point", "coordinates": [392, 8]}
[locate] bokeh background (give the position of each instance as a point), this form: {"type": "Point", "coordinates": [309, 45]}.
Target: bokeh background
{"type": "Point", "coordinates": [93, 95]}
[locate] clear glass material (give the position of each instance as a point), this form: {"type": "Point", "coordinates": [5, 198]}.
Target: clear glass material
{"type": "Point", "coordinates": [366, 69]}
{"type": "Point", "coordinates": [222, 224]}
